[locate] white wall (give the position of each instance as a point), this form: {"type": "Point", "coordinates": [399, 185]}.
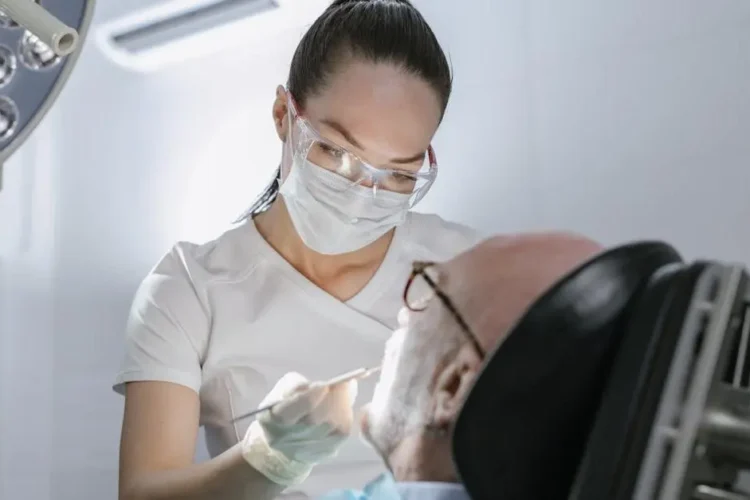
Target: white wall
{"type": "Point", "coordinates": [621, 119]}
{"type": "Point", "coordinates": [640, 113]}
{"type": "Point", "coordinates": [28, 402]}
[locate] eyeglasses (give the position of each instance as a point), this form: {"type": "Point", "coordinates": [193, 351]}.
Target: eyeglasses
{"type": "Point", "coordinates": [420, 269]}
{"type": "Point", "coordinates": [309, 144]}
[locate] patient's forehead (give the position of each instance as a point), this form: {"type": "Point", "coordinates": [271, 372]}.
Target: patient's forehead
{"type": "Point", "coordinates": [494, 283]}
{"type": "Point", "coordinates": [507, 261]}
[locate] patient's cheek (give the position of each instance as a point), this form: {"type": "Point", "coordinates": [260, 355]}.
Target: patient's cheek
{"type": "Point", "coordinates": [379, 408]}
{"type": "Point", "coordinates": [394, 346]}
{"type": "Point", "coordinates": [379, 400]}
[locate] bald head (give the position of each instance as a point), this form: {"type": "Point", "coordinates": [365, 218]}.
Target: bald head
{"type": "Point", "coordinates": [430, 364]}
{"type": "Point", "coordinates": [494, 283]}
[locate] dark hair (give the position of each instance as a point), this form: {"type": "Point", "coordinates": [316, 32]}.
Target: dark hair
{"type": "Point", "coordinates": [390, 31]}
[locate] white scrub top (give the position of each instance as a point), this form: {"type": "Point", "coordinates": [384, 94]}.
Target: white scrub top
{"type": "Point", "coordinates": [228, 318]}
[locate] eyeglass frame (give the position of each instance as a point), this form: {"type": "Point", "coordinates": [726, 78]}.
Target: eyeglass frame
{"type": "Point", "coordinates": [419, 268]}
{"type": "Point", "coordinates": [372, 170]}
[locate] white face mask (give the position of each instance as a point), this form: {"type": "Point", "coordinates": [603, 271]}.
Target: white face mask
{"type": "Point", "coordinates": [332, 217]}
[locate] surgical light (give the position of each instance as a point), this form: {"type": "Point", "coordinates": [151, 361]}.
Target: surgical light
{"type": "Point", "coordinates": [35, 54]}
{"type": "Point", "coordinates": [7, 22]}
{"type": "Point", "coordinates": [40, 41]}
{"type": "Point", "coordinates": [7, 65]}
{"type": "Point", "coordinates": [8, 117]}
{"type": "Point", "coordinates": [166, 33]}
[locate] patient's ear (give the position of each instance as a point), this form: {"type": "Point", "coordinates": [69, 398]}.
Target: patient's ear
{"type": "Point", "coordinates": [453, 384]}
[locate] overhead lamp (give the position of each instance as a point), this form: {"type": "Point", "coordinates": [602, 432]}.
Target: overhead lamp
{"type": "Point", "coordinates": [173, 31]}
{"type": "Point", "coordinates": [40, 41]}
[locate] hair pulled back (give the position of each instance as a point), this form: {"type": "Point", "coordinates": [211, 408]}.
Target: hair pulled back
{"type": "Point", "coordinates": [377, 31]}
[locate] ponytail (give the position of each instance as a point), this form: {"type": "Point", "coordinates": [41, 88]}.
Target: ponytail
{"type": "Point", "coordinates": [264, 201]}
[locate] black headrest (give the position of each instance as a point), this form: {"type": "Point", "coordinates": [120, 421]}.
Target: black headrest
{"type": "Point", "coordinates": [522, 429]}
{"type": "Point", "coordinates": [622, 429]}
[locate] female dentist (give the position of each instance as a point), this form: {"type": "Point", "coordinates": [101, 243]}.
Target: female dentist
{"type": "Point", "coordinates": [311, 280]}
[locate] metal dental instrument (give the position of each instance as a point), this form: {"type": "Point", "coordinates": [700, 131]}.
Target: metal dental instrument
{"type": "Point", "coordinates": [358, 374]}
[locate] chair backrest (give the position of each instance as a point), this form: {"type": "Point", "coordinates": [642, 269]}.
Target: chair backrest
{"type": "Point", "coordinates": [524, 426]}
{"type": "Point", "coordinates": [617, 443]}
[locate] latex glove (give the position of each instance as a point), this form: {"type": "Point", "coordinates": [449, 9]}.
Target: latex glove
{"type": "Point", "coordinates": [285, 443]}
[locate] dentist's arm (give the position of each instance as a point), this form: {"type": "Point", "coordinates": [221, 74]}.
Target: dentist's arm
{"type": "Point", "coordinates": [159, 434]}
{"type": "Point", "coordinates": [157, 446]}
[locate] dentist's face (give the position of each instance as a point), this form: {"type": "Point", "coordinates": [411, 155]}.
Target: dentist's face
{"type": "Point", "coordinates": [378, 112]}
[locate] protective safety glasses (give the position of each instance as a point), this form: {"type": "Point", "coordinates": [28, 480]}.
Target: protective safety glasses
{"type": "Point", "coordinates": [308, 144]}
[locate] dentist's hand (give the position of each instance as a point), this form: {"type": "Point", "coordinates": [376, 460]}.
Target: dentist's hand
{"type": "Point", "coordinates": [286, 442]}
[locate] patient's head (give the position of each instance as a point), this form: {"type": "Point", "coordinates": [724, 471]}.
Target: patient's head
{"type": "Point", "coordinates": [432, 359]}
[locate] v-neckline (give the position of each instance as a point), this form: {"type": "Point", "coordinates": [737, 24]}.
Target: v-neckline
{"type": "Point", "coordinates": [379, 283]}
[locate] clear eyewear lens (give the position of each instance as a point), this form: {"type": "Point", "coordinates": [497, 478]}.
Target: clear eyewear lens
{"type": "Point", "coordinates": [403, 181]}
{"type": "Point", "coordinates": [413, 180]}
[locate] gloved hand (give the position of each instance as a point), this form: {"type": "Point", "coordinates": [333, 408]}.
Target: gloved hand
{"type": "Point", "coordinates": [286, 442]}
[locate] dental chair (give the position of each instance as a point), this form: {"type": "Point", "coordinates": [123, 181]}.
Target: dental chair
{"type": "Point", "coordinates": [628, 379]}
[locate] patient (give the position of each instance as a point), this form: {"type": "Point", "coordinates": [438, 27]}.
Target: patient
{"type": "Point", "coordinates": [455, 313]}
